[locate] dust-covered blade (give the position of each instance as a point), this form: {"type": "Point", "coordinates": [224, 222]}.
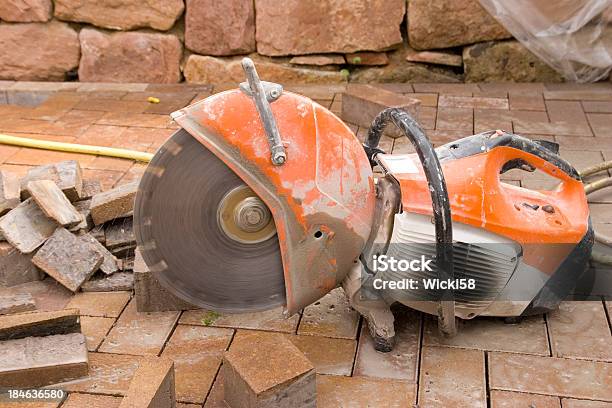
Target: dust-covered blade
{"type": "Point", "coordinates": [176, 219]}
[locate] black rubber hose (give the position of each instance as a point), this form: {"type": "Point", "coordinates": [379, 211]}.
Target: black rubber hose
{"type": "Point", "coordinates": [435, 179]}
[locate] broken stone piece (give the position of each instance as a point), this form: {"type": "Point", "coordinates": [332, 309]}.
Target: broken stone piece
{"type": "Point", "coordinates": [362, 103]}
{"type": "Point", "coordinates": [118, 281]}
{"type": "Point", "coordinates": [40, 361]}
{"type": "Point", "coordinates": [367, 58]}
{"type": "Point", "coordinates": [17, 303]}
{"type": "Point", "coordinates": [435, 57]}
{"type": "Point", "coordinates": [39, 324]}
{"type": "Point", "coordinates": [26, 227]}
{"type": "Point", "coordinates": [150, 295]}
{"type": "Point", "coordinates": [87, 223]}
{"type": "Point", "coordinates": [68, 259]}
{"type": "Point", "coordinates": [264, 369]}
{"type": "Point", "coordinates": [53, 202]}
{"type": "Point", "coordinates": [115, 203]}
{"type": "Point", "coordinates": [152, 386]}
{"type": "Point", "coordinates": [319, 60]}
{"type": "Point", "coordinates": [10, 191]}
{"type": "Point", "coordinates": [16, 268]}
{"type": "Point", "coordinates": [90, 189]}
{"type": "Point", "coordinates": [109, 262]}
{"type": "Point", "coordinates": [66, 174]}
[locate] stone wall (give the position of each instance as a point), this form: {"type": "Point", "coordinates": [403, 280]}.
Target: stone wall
{"type": "Point", "coordinates": [292, 41]}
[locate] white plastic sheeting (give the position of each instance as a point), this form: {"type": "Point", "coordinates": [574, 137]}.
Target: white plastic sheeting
{"type": "Point", "coordinates": [572, 36]}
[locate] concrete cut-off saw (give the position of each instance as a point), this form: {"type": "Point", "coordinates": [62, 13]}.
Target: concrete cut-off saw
{"type": "Point", "coordinates": [264, 198]}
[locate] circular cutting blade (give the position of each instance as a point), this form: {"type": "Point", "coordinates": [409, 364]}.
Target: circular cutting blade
{"type": "Point", "coordinates": [176, 218]}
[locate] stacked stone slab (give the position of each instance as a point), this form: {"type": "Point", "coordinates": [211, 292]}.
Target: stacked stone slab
{"type": "Point", "coordinates": [61, 230]}
{"type": "Point", "coordinates": [304, 41]}
{"type": "Point", "coordinates": [41, 348]}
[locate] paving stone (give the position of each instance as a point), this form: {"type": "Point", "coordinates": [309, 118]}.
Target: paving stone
{"type": "Point", "coordinates": [139, 333]}
{"type": "Point", "coordinates": [86, 223]}
{"type": "Point", "coordinates": [452, 101]}
{"type": "Point", "coordinates": [601, 123]}
{"type": "Point", "coordinates": [401, 362]}
{"type": "Point", "coordinates": [118, 281]}
{"type": "Point", "coordinates": [120, 233]}
{"type": "Point", "coordinates": [329, 356]}
{"type": "Point", "coordinates": [551, 376]}
{"type": "Point", "coordinates": [526, 101]}
{"type": "Point", "coordinates": [95, 329]}
{"type": "Point", "coordinates": [216, 394]}
{"type": "Point", "coordinates": [492, 334]}
{"type": "Point", "coordinates": [456, 119]}
{"type": "Point", "coordinates": [491, 119]}
{"type": "Point", "coordinates": [580, 330]}
{"type": "Point", "coordinates": [75, 400]}
{"type": "Point", "coordinates": [362, 103]}
{"type": "Point", "coordinates": [574, 403]}
{"type": "Point", "coordinates": [32, 404]}
{"type": "Point", "coordinates": [16, 268]}
{"type": "Point", "coordinates": [66, 174]}
{"type": "Point", "coordinates": [68, 259]}
{"type": "Point", "coordinates": [597, 106]}
{"type": "Point", "coordinates": [115, 203]}
{"type": "Point", "coordinates": [197, 353]}
{"type": "Point", "coordinates": [54, 203]}
{"type": "Point", "coordinates": [339, 391]}
{"type": "Point", "coordinates": [100, 304]}
{"type": "Point", "coordinates": [18, 303]}
{"type": "Point", "coordinates": [48, 294]}
{"type": "Point", "coordinates": [331, 316]}
{"type": "Point", "coordinates": [263, 369]}
{"type": "Point", "coordinates": [10, 190]}
{"type": "Point", "coordinates": [109, 374]}
{"type": "Point", "coordinates": [452, 377]}
{"type": "Point", "coordinates": [150, 295]}
{"type": "Point", "coordinates": [269, 320]}
{"type": "Point", "coordinates": [566, 111]}
{"type": "Point", "coordinates": [39, 324]}
{"type": "Point", "coordinates": [152, 385]}
{"type": "Point", "coordinates": [109, 261]}
{"type": "Point", "coordinates": [26, 227]}
{"type": "Point", "coordinates": [506, 399]}
{"type": "Point", "coordinates": [39, 361]}
{"type": "Point", "coordinates": [90, 188]}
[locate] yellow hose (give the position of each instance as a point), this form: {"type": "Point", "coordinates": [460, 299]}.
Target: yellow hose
{"type": "Point", "coordinates": [76, 148]}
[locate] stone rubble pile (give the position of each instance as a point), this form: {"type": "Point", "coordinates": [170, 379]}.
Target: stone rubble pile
{"type": "Point", "coordinates": [55, 223]}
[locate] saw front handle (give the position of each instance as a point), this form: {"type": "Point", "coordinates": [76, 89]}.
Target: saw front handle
{"type": "Point", "coordinates": [439, 198]}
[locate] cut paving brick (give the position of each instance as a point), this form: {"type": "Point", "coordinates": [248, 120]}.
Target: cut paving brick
{"type": "Point", "coordinates": [109, 261]}
{"type": "Point", "coordinates": [492, 334]}
{"type": "Point", "coordinates": [111, 204]}
{"type": "Point", "coordinates": [266, 369]}
{"type": "Point", "coordinates": [152, 385]}
{"type": "Point", "coordinates": [339, 391]}
{"type": "Point", "coordinates": [507, 399]}
{"type": "Point", "coordinates": [452, 378]}
{"type": "Point", "coordinates": [10, 191]}
{"type": "Point", "coordinates": [118, 281]}
{"type": "Point", "coordinates": [551, 376]}
{"type": "Point", "coordinates": [87, 222]}
{"type": "Point", "coordinates": [18, 303]}
{"type": "Point", "coordinates": [68, 259]}
{"type": "Point", "coordinates": [100, 304]}
{"type": "Point", "coordinates": [574, 403]}
{"type": "Point", "coordinates": [580, 330]}
{"type": "Point", "coordinates": [39, 324]}
{"type": "Point", "coordinates": [269, 320]}
{"type": "Point", "coordinates": [401, 362]}
{"type": "Point", "coordinates": [197, 353]}
{"type": "Point", "coordinates": [90, 188]}
{"type": "Point", "coordinates": [329, 356]}
{"type": "Point", "coordinates": [48, 294]}
{"type": "Point", "coordinates": [147, 332]}
{"type": "Point", "coordinates": [362, 103]}
{"type": "Point", "coordinates": [109, 374]}
{"type": "Point", "coordinates": [120, 233]}
{"type": "Point", "coordinates": [331, 316]}
{"type": "Point", "coordinates": [91, 401]}
{"type": "Point", "coordinates": [16, 268]}
{"type": "Point", "coordinates": [95, 329]}
{"type": "Point", "coordinates": [26, 227]}
{"type": "Point", "coordinates": [66, 174]}
{"type": "Point", "coordinates": [216, 394]}
{"type": "Point", "coordinates": [150, 295]}
{"type": "Point", "coordinates": [53, 202]}
{"type": "Point", "coordinates": [39, 361]}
